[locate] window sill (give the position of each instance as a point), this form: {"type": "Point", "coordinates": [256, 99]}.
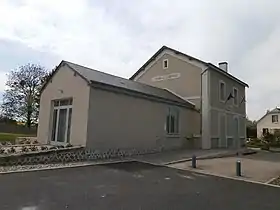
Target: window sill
{"type": "Point", "coordinates": [172, 135]}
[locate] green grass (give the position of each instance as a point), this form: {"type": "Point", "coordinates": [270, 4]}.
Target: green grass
{"type": "Point", "coordinates": [11, 137]}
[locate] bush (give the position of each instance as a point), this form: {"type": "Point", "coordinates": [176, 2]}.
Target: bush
{"type": "Point", "coordinates": [33, 148]}
{"type": "Point", "coordinates": [12, 150]}
{"type": "Point", "coordinates": [68, 145]}
{"type": "Point", "coordinates": [24, 149]}
{"type": "Point", "coordinates": [2, 151]}
{"type": "Point", "coordinates": [43, 148]}
{"type": "Point", "coordinates": [35, 142]}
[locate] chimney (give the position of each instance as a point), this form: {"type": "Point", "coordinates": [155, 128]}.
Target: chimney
{"type": "Point", "coordinates": [223, 66]}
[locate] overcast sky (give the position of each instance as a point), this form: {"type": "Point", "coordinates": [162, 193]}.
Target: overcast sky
{"type": "Point", "coordinates": [118, 36]}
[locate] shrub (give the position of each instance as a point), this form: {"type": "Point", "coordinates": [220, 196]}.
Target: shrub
{"type": "Point", "coordinates": [68, 145]}
{"type": "Point", "coordinates": [12, 150]}
{"type": "Point", "coordinates": [24, 149]}
{"type": "Point", "coordinates": [33, 148]}
{"type": "Point", "coordinates": [44, 148]}
{"type": "Point", "coordinates": [4, 143]}
{"type": "Point", "coordinates": [35, 142]}
{"type": "Point", "coordinates": [2, 151]}
{"type": "Point", "coordinates": [27, 142]}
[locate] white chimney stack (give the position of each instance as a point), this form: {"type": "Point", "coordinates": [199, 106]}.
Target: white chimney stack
{"type": "Point", "coordinates": [223, 66]}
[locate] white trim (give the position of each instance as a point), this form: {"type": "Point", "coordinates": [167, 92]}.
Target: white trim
{"type": "Point", "coordinates": [163, 62]}
{"type": "Point", "coordinates": [237, 103]}
{"type": "Point", "coordinates": [226, 111]}
{"type": "Point", "coordinates": [225, 91]}
{"type": "Point", "coordinates": [205, 110]}
{"type": "Point", "coordinates": [220, 114]}
{"type": "Point", "coordinates": [192, 97]}
{"type": "Point", "coordinates": [171, 53]}
{"type": "Point", "coordinates": [238, 130]}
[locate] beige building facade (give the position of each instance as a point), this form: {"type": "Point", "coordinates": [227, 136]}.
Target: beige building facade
{"type": "Point", "coordinates": [82, 106]}
{"type": "Point", "coordinates": [217, 95]}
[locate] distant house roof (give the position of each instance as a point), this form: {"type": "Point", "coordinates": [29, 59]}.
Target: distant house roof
{"type": "Point", "coordinates": [100, 79]}
{"type": "Point", "coordinates": [273, 111]}
{"type": "Point", "coordinates": [210, 65]}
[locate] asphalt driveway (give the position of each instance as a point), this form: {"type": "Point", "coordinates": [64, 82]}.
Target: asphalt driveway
{"type": "Point", "coordinates": [130, 186]}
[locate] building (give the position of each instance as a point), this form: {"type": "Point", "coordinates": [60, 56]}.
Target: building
{"type": "Point", "coordinates": [217, 94]}
{"type": "Point", "coordinates": [82, 106]}
{"type": "Point", "coordinates": [269, 123]}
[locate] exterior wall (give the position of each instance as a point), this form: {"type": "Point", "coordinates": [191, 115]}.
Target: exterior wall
{"type": "Point", "coordinates": [188, 73]}
{"type": "Point", "coordinates": [231, 135]}
{"type": "Point", "coordinates": [121, 121]}
{"type": "Point", "coordinates": [65, 84]}
{"type": "Point", "coordinates": [266, 122]}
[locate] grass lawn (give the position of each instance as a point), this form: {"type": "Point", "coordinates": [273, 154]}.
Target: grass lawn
{"type": "Point", "coordinates": [12, 136]}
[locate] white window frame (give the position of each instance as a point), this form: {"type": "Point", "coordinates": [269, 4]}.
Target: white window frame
{"type": "Point", "coordinates": [220, 91]}
{"type": "Point", "coordinates": [163, 64]}
{"type": "Point", "coordinates": [58, 108]}
{"type": "Point", "coordinates": [176, 113]}
{"type": "Point", "coordinates": [234, 88]}
{"type": "Point", "coordinates": [276, 118]}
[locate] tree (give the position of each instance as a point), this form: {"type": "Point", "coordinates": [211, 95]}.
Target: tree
{"type": "Point", "coordinates": [22, 97]}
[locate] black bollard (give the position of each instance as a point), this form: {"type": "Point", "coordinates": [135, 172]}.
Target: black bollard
{"type": "Point", "coordinates": [238, 168]}
{"type": "Point", "coordinates": [194, 161]}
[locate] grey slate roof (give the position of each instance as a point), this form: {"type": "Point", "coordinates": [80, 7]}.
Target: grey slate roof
{"type": "Point", "coordinates": [92, 75]}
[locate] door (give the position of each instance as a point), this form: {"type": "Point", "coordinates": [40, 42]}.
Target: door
{"type": "Point", "coordinates": [236, 132]}
{"type": "Point", "coordinates": [61, 121]}
{"type": "Point", "coordinates": [222, 130]}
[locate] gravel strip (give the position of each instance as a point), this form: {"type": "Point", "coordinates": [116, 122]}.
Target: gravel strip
{"type": "Point", "coordinates": [18, 168]}
{"type": "Point", "coordinates": [276, 181]}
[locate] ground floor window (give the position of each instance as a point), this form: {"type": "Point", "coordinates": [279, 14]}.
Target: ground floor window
{"type": "Point", "coordinates": [172, 121]}
{"type": "Point", "coordinates": [265, 131]}
{"type": "Point", "coordinates": [61, 120]}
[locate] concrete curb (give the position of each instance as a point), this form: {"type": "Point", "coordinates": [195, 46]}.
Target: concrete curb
{"type": "Point", "coordinates": [63, 167]}
{"type": "Point", "coordinates": [271, 180]}
{"type": "Point", "coordinates": [233, 154]}
{"type": "Point", "coordinates": [227, 177]}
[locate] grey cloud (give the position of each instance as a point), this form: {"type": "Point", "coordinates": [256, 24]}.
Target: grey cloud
{"type": "Point", "coordinates": [14, 54]}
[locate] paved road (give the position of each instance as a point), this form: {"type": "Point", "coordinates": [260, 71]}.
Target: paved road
{"type": "Point", "coordinates": [130, 186]}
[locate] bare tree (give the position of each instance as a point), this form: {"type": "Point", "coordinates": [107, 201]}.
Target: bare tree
{"type": "Point", "coordinates": [22, 96]}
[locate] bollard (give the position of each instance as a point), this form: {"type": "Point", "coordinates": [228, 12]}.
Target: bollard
{"type": "Point", "coordinates": [238, 168]}
{"type": "Point", "coordinates": [194, 161]}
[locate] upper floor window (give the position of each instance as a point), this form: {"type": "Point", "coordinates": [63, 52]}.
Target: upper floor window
{"type": "Point", "coordinates": [274, 118]}
{"type": "Point", "coordinates": [235, 96]}
{"type": "Point", "coordinates": [172, 121]}
{"type": "Point", "coordinates": [165, 63]}
{"type": "Point", "coordinates": [222, 91]}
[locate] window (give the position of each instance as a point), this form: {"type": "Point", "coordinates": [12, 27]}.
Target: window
{"type": "Point", "coordinates": [165, 64]}
{"type": "Point", "coordinates": [61, 120]}
{"type": "Point", "coordinates": [235, 96]}
{"type": "Point", "coordinates": [222, 91]}
{"type": "Point", "coordinates": [265, 131]}
{"type": "Point", "coordinates": [274, 118]}
{"type": "Point", "coordinates": [172, 121]}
